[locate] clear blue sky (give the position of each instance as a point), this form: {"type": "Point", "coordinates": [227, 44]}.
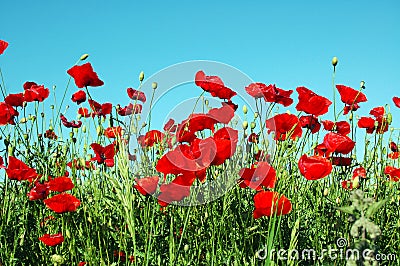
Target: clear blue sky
{"type": "Point", "coordinates": [290, 43]}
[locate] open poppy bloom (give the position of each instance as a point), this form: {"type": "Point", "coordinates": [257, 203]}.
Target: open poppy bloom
{"type": "Point", "coordinates": [338, 143]}
{"type": "Point", "coordinates": [60, 184]}
{"type": "Point", "coordinates": [62, 203]}
{"type": "Point", "coordinates": [396, 101]}
{"type": "Point", "coordinates": [104, 154]}
{"type": "Point", "coordinates": [225, 140]}
{"type": "Point", "coordinates": [52, 240]}
{"type": "Point", "coordinates": [177, 190]}
{"type": "Point", "coordinates": [18, 170]}
{"type": "Point", "coordinates": [395, 151]}
{"type": "Point", "coordinates": [69, 124]}
{"type": "Point", "coordinates": [84, 112]}
{"type": "Point", "coordinates": [136, 95]}
{"type": "Point", "coordinates": [130, 109]}
{"type": "Point", "coordinates": [354, 182]}
{"type": "Point", "coordinates": [84, 76]}
{"type": "Point", "coordinates": [314, 167]}
{"type": "Point", "coordinates": [213, 85]}
{"type": "Point", "coordinates": [79, 97]}
{"type": "Point", "coordinates": [312, 103]}
{"type": "Point", "coordinates": [270, 93]}
{"type": "Point", "coordinates": [380, 123]}
{"type": "Point", "coordinates": [350, 97]}
{"type": "Point", "coordinates": [253, 138]}
{"type": "Point", "coordinates": [7, 114]}
{"type": "Point", "coordinates": [268, 203]}
{"type": "Point", "coordinates": [341, 127]}
{"type": "Point", "coordinates": [15, 100]}
{"type": "Point", "coordinates": [150, 138]}
{"type": "Point", "coordinates": [393, 173]}
{"type": "Point", "coordinates": [311, 122]}
{"type": "Point", "coordinates": [113, 132]}
{"type": "Point", "coordinates": [100, 109]}
{"type": "Point", "coordinates": [147, 185]}
{"type": "Point", "coordinates": [34, 92]}
{"type": "Point", "coordinates": [261, 174]}
{"type": "Point", "coordinates": [284, 125]}
{"type": "Point", "coordinates": [39, 191]}
{"type": "Point", "coordinates": [3, 46]}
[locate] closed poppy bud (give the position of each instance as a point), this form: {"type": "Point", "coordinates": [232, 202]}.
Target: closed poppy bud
{"type": "Point", "coordinates": [26, 136]}
{"type": "Point", "coordinates": [206, 102]}
{"type": "Point", "coordinates": [67, 233]}
{"type": "Point", "coordinates": [84, 56]}
{"type": "Point", "coordinates": [84, 129]}
{"type": "Point", "coordinates": [23, 120]}
{"type": "Point", "coordinates": [57, 259]}
{"type": "Point", "coordinates": [98, 130]}
{"type": "Point", "coordinates": [326, 192]}
{"type": "Point", "coordinates": [11, 150]}
{"type": "Point", "coordinates": [255, 114]}
{"type": "Point", "coordinates": [186, 247]}
{"type": "Point", "coordinates": [244, 109]}
{"type": "Point", "coordinates": [141, 76]}
{"type": "Point", "coordinates": [89, 219]}
{"type": "Point", "coordinates": [351, 116]}
{"type": "Point", "coordinates": [252, 125]}
{"type": "Point", "coordinates": [356, 182]}
{"type": "Point", "coordinates": [334, 61]}
{"type": "Point", "coordinates": [245, 124]}
{"type": "Point", "coordinates": [154, 85]}
{"type": "Point", "coordinates": [52, 107]}
{"type": "Point", "coordinates": [389, 118]}
{"type": "Point", "coordinates": [337, 200]}
{"type": "Point", "coordinates": [362, 84]}
{"type": "Point", "coordinates": [71, 134]}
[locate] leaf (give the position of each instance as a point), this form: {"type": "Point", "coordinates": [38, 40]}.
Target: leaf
{"type": "Point", "coordinates": [346, 209]}
{"type": "Point", "coordinates": [374, 208]}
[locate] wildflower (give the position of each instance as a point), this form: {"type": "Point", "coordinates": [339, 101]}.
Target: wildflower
{"type": "Point", "coordinates": [18, 170]}
{"type": "Point", "coordinates": [284, 125]}
{"type": "Point", "coordinates": [62, 203]}
{"type": "Point", "coordinates": [3, 46]}
{"type": "Point", "coordinates": [261, 174]}
{"type": "Point", "coordinates": [136, 95]}
{"type": "Point", "coordinates": [311, 103]}
{"type": "Point", "coordinates": [79, 97]}
{"type": "Point", "coordinates": [104, 154]}
{"type": "Point", "coordinates": [52, 240]}
{"type": "Point", "coordinates": [84, 76]}
{"type": "Point", "coordinates": [268, 203]}
{"type": "Point", "coordinates": [213, 85]}
{"type": "Point", "coordinates": [147, 185]}
{"type": "Point", "coordinates": [314, 167]}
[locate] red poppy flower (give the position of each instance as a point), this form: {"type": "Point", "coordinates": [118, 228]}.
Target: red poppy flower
{"type": "Point", "coordinates": [338, 143]}
{"type": "Point", "coordinates": [322, 150]}
{"type": "Point", "coordinates": [284, 125]}
{"type": "Point", "coordinates": [170, 125]}
{"type": "Point", "coordinates": [7, 114]}
{"type": "Point", "coordinates": [15, 99]}
{"type": "Point", "coordinates": [62, 203]}
{"type": "Point", "coordinates": [268, 203]}
{"type": "Point", "coordinates": [84, 112]}
{"type": "Point", "coordinates": [368, 123]}
{"type": "Point", "coordinates": [3, 46]}
{"type": "Point", "coordinates": [18, 170]}
{"type": "Point", "coordinates": [311, 122]}
{"type": "Point", "coordinates": [394, 155]}
{"type": "Point", "coordinates": [380, 123]}
{"type": "Point", "coordinates": [350, 96]}
{"type": "Point", "coordinates": [61, 184]}
{"type": "Point", "coordinates": [341, 161]}
{"type": "Point", "coordinates": [100, 109]}
{"type": "Point", "coordinates": [82, 263]}
{"type": "Point", "coordinates": [85, 76]}
{"type": "Point", "coordinates": [314, 167]}
{"type": "Point", "coordinates": [270, 93]}
{"type": "Point", "coordinates": [348, 108]}
{"type": "Point", "coordinates": [341, 127]}
{"type": "Point", "coordinates": [213, 85]}
{"type": "Point", "coordinates": [393, 173]}
{"type": "Point", "coordinates": [104, 154]}
{"type": "Point", "coordinates": [261, 174]}
{"type": "Point", "coordinates": [49, 134]}
{"type": "Point", "coordinates": [113, 132]}
{"type": "Point", "coordinates": [177, 190]}
{"type": "Point", "coordinates": [256, 89]}
{"type": "Point", "coordinates": [81, 164]}
{"type": "Point", "coordinates": [359, 172]}
{"type": "Point", "coordinates": [253, 138]}
{"type": "Point", "coordinates": [349, 184]}
{"type": "Point", "coordinates": [136, 95]}
{"type": "Point", "coordinates": [150, 138]}
{"type": "Point", "coordinates": [225, 141]}
{"type": "Point", "coordinates": [2, 163]}
{"type": "Point", "coordinates": [130, 109]}
{"type": "Point", "coordinates": [147, 185]}
{"type": "Point", "coordinates": [396, 101]}
{"type": "Point", "coordinates": [79, 97]}
{"type": "Point", "coordinates": [69, 124]}
{"type": "Point", "coordinates": [35, 92]}
{"type": "Point", "coordinates": [312, 103]}
{"type": "Point", "coordinates": [231, 105]}
{"type": "Point", "coordinates": [393, 147]}
{"type": "Point", "coordinates": [52, 240]}
{"type": "Point", "coordinates": [39, 191]}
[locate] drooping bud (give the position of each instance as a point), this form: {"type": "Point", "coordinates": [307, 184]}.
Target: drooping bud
{"type": "Point", "coordinates": [84, 57]}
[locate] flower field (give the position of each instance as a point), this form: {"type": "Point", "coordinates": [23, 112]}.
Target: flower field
{"type": "Point", "coordinates": [300, 179]}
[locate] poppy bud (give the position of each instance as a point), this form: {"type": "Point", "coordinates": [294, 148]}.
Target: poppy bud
{"type": "Point", "coordinates": [376, 124]}
{"type": "Point", "coordinates": [244, 109]}
{"type": "Point", "coordinates": [252, 125]}
{"type": "Point", "coordinates": [144, 124]}
{"type": "Point", "coordinates": [245, 124]}
{"type": "Point", "coordinates": [52, 107]}
{"type": "Point", "coordinates": [186, 247]}
{"type": "Point", "coordinates": [206, 102]}
{"type": "Point", "coordinates": [83, 57]}
{"type": "Point", "coordinates": [67, 233]}
{"type": "Point", "coordinates": [26, 136]}
{"type": "Point", "coordinates": [42, 114]}
{"type": "Point", "coordinates": [334, 61]}
{"type": "Point", "coordinates": [356, 182]}
{"type": "Point", "coordinates": [255, 115]}
{"type": "Point", "coordinates": [84, 128]}
{"type": "Point", "coordinates": [33, 118]}
{"type": "Point", "coordinates": [141, 76]}
{"type": "Point", "coordinates": [389, 118]}
{"type": "Point", "coordinates": [89, 219]}
{"type": "Point", "coordinates": [337, 200]}
{"type": "Point", "coordinates": [326, 192]}
{"type": "Point", "coordinates": [351, 116]}
{"type": "Point", "coordinates": [23, 120]}
{"type": "Point", "coordinates": [57, 259]}
{"type": "Point", "coordinates": [71, 134]}
{"type": "Point", "coordinates": [362, 84]}
{"type": "Point", "coordinates": [24, 104]}
{"type": "Point", "coordinates": [11, 150]}
{"type": "Point", "coordinates": [154, 85]}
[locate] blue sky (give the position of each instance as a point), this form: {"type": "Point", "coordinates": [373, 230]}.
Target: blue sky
{"type": "Point", "coordinates": [289, 43]}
